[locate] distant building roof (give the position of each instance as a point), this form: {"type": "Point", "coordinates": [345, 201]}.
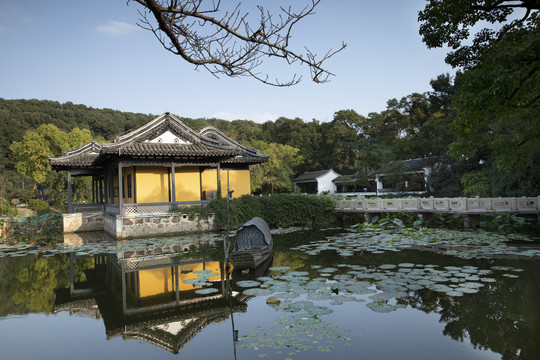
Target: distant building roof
{"type": "Point", "coordinates": [311, 175]}
{"type": "Point", "coordinates": [410, 165]}
{"type": "Point", "coordinates": [347, 179]}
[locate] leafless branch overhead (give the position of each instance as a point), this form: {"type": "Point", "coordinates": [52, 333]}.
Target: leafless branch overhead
{"type": "Point", "coordinates": [226, 39]}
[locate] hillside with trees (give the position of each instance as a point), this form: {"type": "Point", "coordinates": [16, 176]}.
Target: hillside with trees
{"type": "Point", "coordinates": [415, 126]}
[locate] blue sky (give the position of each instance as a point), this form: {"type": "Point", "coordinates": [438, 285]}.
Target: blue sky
{"type": "Point", "coordinates": [92, 53]}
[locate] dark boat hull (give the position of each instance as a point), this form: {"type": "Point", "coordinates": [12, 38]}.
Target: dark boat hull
{"type": "Point", "coordinates": [249, 259]}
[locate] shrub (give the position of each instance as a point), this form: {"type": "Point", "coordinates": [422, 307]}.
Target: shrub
{"type": "Point", "coordinates": [39, 206]}
{"type": "Point", "coordinates": [279, 211]}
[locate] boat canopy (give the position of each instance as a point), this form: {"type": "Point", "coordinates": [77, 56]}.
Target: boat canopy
{"type": "Point", "coordinates": [253, 234]}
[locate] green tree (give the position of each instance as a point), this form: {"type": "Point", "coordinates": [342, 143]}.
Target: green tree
{"type": "Point", "coordinates": [341, 141]}
{"type": "Point", "coordinates": [450, 22]}
{"type": "Point", "coordinates": [498, 99]}
{"type": "Point", "coordinates": [498, 103]}
{"type": "Point", "coordinates": [301, 135]}
{"type": "Point", "coordinates": [33, 152]}
{"type": "Point", "coordinates": [275, 175]}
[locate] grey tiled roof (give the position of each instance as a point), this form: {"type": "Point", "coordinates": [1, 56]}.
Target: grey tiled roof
{"type": "Point", "coordinates": [208, 143]}
{"type": "Point", "coordinates": [160, 149]}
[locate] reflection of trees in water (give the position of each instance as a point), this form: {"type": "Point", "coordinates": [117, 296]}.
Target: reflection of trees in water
{"type": "Point", "coordinates": [503, 317]}
{"type": "Point", "coordinates": [28, 282]}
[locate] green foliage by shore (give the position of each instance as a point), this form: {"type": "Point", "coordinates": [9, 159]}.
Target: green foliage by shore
{"type": "Point", "coordinates": [41, 229]}
{"type": "Point", "coordinates": [279, 211]}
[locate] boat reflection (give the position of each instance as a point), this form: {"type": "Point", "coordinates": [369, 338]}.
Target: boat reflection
{"type": "Point", "coordinates": [155, 295]}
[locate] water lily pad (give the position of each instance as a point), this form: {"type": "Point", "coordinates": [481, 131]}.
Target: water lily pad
{"type": "Point", "coordinates": [273, 300]}
{"type": "Point", "coordinates": [406, 265]}
{"type": "Point", "coordinates": [196, 281]}
{"type": "Point", "coordinates": [512, 276]}
{"type": "Point", "coordinates": [297, 273]}
{"type": "Point", "coordinates": [208, 274]}
{"type": "Point", "coordinates": [381, 307]}
{"type": "Point", "coordinates": [206, 291]}
{"type": "Point", "coordinates": [306, 319]}
{"type": "Point", "coordinates": [279, 268]}
{"type": "Point", "coordinates": [257, 292]}
{"type": "Point", "coordinates": [299, 305]}
{"type": "Point", "coordinates": [248, 283]}
{"type": "Point", "coordinates": [319, 310]}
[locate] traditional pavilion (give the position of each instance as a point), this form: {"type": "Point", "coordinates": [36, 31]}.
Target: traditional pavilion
{"type": "Point", "coordinates": [161, 165]}
{"type": "Point", "coordinates": [142, 175]}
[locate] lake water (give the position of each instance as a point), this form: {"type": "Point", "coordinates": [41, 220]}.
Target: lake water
{"type": "Point", "coordinates": [333, 294]}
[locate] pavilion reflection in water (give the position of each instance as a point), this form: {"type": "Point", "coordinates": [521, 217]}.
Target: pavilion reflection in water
{"type": "Point", "coordinates": [142, 295]}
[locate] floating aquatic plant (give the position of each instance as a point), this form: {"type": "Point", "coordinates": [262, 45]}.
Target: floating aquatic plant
{"type": "Point", "coordinates": [248, 283]}
{"type": "Point", "coordinates": [206, 291]}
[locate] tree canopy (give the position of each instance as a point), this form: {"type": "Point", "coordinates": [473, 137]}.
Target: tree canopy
{"type": "Point", "coordinates": [497, 102]}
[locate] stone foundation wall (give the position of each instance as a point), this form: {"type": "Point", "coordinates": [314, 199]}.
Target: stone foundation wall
{"type": "Point", "coordinates": [138, 226]}
{"type": "Point", "coordinates": [82, 222]}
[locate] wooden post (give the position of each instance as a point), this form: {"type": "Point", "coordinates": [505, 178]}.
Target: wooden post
{"type": "Point", "coordinates": [120, 187]}
{"type": "Point", "coordinates": [218, 181]}
{"type": "Point", "coordinates": [70, 196]}
{"type": "Point", "coordinates": [106, 186]}
{"type": "Point", "coordinates": [173, 183]}
{"type": "Point", "coordinates": [200, 183]}
{"type": "Point", "coordinates": [100, 197]}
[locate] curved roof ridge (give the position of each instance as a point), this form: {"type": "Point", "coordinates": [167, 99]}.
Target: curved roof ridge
{"type": "Point", "coordinates": [228, 140]}
{"type": "Point", "coordinates": [163, 120]}
{"type": "Point", "coordinates": [92, 145]}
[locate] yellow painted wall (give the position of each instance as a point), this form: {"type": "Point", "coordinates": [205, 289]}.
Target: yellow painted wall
{"type": "Point", "coordinates": [152, 184]}
{"type": "Point", "coordinates": [161, 281]}
{"type": "Point", "coordinates": [238, 181]}
{"type": "Point", "coordinates": [187, 184]}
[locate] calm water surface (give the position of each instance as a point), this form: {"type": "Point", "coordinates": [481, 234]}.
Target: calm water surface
{"type": "Point", "coordinates": [342, 295]}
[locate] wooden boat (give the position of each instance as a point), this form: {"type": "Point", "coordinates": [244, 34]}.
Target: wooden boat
{"type": "Point", "coordinates": [253, 244]}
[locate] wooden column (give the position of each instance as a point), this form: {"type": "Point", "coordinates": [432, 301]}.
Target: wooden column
{"type": "Point", "coordinates": [200, 183]}
{"type": "Point", "coordinates": [100, 198]}
{"type": "Point", "coordinates": [120, 187]}
{"type": "Point", "coordinates": [111, 186]}
{"type": "Point", "coordinates": [106, 186]}
{"type": "Point", "coordinates": [173, 183]}
{"type": "Point", "coordinates": [70, 197]}
{"type": "Point", "coordinates": [218, 181]}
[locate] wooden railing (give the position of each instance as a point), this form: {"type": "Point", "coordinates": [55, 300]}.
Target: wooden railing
{"type": "Point", "coordinates": [524, 205]}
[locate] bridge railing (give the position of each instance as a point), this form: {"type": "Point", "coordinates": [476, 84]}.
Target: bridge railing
{"type": "Point", "coordinates": [454, 205]}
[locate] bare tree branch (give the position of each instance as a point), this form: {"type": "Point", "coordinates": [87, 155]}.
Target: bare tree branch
{"type": "Point", "coordinates": [226, 41]}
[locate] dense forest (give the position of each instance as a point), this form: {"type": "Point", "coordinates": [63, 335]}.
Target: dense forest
{"type": "Point", "coordinates": [415, 126]}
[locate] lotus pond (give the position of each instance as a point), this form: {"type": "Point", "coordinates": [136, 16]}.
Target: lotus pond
{"type": "Point", "coordinates": [344, 294]}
